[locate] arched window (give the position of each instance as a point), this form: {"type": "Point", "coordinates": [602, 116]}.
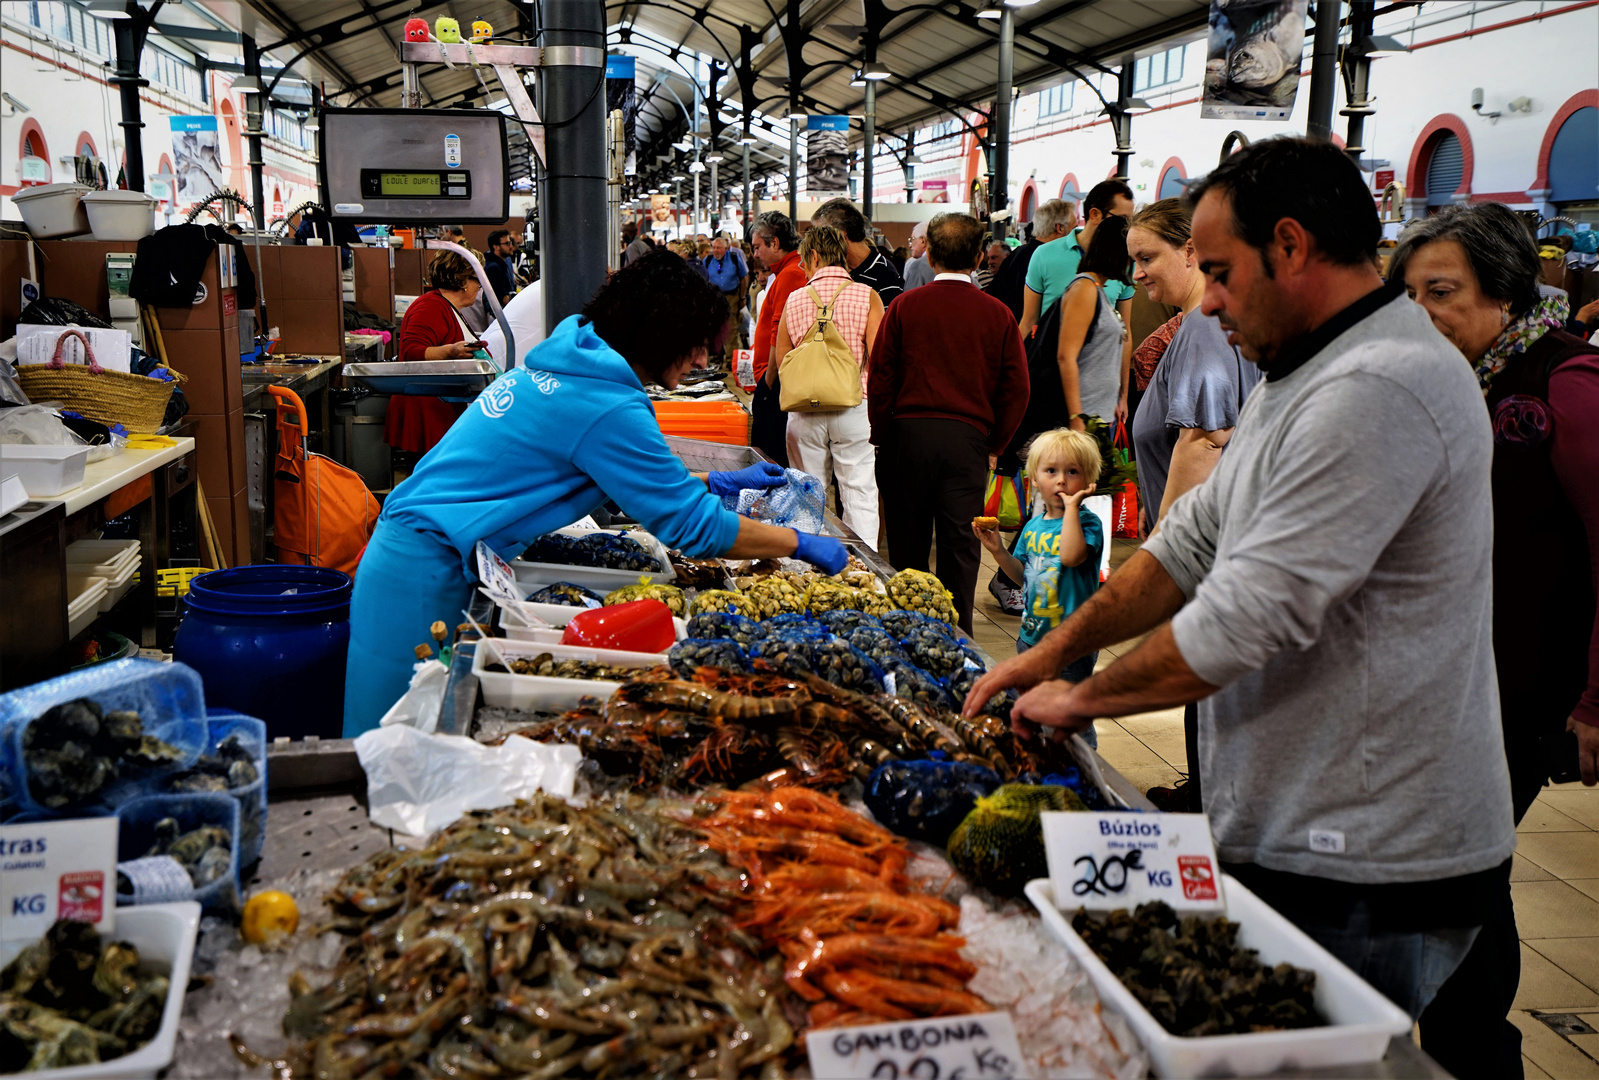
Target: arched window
{"type": "Point", "coordinates": [1172, 176]}
{"type": "Point", "coordinates": [35, 155]}
{"type": "Point", "coordinates": [1029, 202]}
{"type": "Point", "coordinates": [1574, 159]}
{"type": "Point", "coordinates": [1446, 166]}
{"type": "Point", "coordinates": [1440, 163]}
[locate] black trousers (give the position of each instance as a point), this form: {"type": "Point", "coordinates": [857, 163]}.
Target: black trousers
{"type": "Point", "coordinates": [1191, 747]}
{"type": "Point", "coordinates": [768, 423]}
{"type": "Point", "coordinates": [932, 474]}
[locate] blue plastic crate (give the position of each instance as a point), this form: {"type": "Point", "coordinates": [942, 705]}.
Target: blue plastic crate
{"type": "Point", "coordinates": [136, 835]}
{"type": "Point", "coordinates": [252, 798]}
{"type": "Point", "coordinates": [169, 698]}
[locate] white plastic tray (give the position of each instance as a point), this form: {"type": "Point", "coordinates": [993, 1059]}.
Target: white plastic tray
{"type": "Point", "coordinates": [46, 471]}
{"type": "Point", "coordinates": [1362, 1021]}
{"type": "Point", "coordinates": [87, 592]}
{"type": "Point", "coordinates": [513, 691]}
{"type": "Point", "coordinates": [164, 935]}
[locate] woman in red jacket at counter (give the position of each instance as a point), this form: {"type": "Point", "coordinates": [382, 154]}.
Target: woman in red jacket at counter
{"type": "Point", "coordinates": [432, 330]}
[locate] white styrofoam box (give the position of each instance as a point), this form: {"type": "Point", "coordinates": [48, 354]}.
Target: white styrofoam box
{"type": "Point", "coordinates": [120, 215]}
{"type": "Point", "coordinates": [53, 209]}
{"type": "Point", "coordinates": [533, 576]}
{"type": "Point", "coordinates": [12, 494]}
{"type": "Point", "coordinates": [510, 690]}
{"type": "Point", "coordinates": [45, 471]}
{"type": "Point", "coordinates": [37, 345]}
{"type": "Point", "coordinates": [1361, 1022]}
{"type": "Point", "coordinates": [164, 935]}
{"type": "Point", "coordinates": [86, 592]}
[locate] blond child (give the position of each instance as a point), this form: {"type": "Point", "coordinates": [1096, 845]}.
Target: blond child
{"type": "Point", "coordinates": [1059, 549]}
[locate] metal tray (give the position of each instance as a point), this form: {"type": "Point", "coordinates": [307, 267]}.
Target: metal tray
{"type": "Point", "coordinates": [423, 378]}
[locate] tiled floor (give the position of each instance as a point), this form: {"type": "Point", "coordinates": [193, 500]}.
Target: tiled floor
{"type": "Point", "coordinates": [1555, 881]}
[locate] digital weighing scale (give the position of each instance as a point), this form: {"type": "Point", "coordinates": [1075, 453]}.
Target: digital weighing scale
{"type": "Point", "coordinates": [407, 165]}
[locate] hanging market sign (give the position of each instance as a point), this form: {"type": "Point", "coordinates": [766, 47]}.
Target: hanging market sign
{"type": "Point", "coordinates": [1252, 63]}
{"type": "Point", "coordinates": [620, 96]}
{"type": "Point", "coordinates": [827, 155]}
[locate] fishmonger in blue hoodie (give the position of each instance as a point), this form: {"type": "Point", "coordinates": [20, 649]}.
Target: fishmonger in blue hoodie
{"type": "Point", "coordinates": [544, 445]}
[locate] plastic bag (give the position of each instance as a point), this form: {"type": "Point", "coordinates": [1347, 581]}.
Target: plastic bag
{"type": "Point", "coordinates": [420, 783]}
{"type": "Point", "coordinates": [419, 706]}
{"type": "Point", "coordinates": [689, 655]}
{"type": "Point", "coordinates": [799, 503]}
{"type": "Point", "coordinates": [36, 425]}
{"type": "Point", "coordinates": [831, 659]}
{"type": "Point", "coordinates": [726, 624]}
{"type": "Point", "coordinates": [926, 800]}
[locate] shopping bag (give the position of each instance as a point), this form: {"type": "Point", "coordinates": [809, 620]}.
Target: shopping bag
{"type": "Point", "coordinates": [1006, 500]}
{"type": "Point", "coordinates": [1124, 501]}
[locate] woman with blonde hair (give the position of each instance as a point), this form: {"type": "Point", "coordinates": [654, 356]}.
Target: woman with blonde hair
{"type": "Point", "coordinates": [433, 329]}
{"type": "Point", "coordinates": [1196, 386]}
{"type": "Point", "coordinates": [834, 443]}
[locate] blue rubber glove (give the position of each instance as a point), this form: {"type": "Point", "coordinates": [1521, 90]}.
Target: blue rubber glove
{"type": "Point", "coordinates": [760, 475]}
{"type": "Point", "coordinates": [823, 552]}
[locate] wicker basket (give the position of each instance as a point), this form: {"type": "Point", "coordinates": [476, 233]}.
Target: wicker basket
{"type": "Point", "coordinates": [137, 402]}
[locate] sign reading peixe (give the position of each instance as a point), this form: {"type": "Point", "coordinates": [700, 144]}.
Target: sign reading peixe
{"type": "Point", "coordinates": [981, 1046]}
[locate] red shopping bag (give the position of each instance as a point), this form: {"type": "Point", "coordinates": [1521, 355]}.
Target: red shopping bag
{"type": "Point", "coordinates": [1124, 502]}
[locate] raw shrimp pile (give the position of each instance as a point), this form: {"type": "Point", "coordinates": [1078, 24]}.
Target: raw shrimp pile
{"type": "Point", "coordinates": [827, 888]}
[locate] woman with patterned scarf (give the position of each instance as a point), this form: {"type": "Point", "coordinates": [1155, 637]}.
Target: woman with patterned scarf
{"type": "Point", "coordinates": [1476, 271]}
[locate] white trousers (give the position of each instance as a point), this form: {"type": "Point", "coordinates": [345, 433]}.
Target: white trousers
{"type": "Point", "coordinates": [839, 444]}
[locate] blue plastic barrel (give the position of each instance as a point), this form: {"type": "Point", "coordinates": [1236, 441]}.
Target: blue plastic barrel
{"type": "Point", "coordinates": [270, 641]}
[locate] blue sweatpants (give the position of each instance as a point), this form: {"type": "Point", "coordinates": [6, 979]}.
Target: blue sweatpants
{"type": "Point", "coordinates": [405, 582]}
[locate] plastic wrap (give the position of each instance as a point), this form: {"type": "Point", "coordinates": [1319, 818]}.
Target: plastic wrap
{"type": "Point", "coordinates": [693, 653]}
{"type": "Point", "coordinates": [900, 623]}
{"type": "Point", "coordinates": [136, 836]}
{"type": "Point", "coordinates": [828, 658]}
{"type": "Point", "coordinates": [670, 595]}
{"type": "Point", "coordinates": [798, 503]}
{"type": "Point", "coordinates": [914, 684]}
{"type": "Point", "coordinates": [170, 701]}
{"type": "Point", "coordinates": [937, 653]}
{"type": "Point", "coordinates": [926, 800]}
{"type": "Point", "coordinates": [846, 621]}
{"type": "Point", "coordinates": [722, 600]}
{"type": "Point", "coordinates": [877, 643]}
{"type": "Point", "coordinates": [998, 706]}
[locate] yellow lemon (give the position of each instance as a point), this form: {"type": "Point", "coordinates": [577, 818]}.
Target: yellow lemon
{"type": "Point", "coordinates": [268, 917]}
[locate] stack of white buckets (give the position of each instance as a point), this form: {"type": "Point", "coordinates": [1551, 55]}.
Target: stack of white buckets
{"type": "Point", "coordinates": [58, 210]}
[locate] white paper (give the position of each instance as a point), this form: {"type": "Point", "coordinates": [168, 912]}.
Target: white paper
{"type": "Point", "coordinates": [1121, 859]}
{"type": "Point", "coordinates": [981, 1046]}
{"type": "Point", "coordinates": [55, 869]}
{"type": "Point", "coordinates": [419, 783]}
{"type": "Point", "coordinates": [37, 345]}
{"type": "Point", "coordinates": [421, 703]}
{"type": "Point", "coordinates": [158, 879]}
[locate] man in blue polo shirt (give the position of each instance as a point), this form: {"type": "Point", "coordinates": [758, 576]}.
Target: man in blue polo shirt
{"type": "Point", "coordinates": [1055, 264]}
{"type": "Point", "coordinates": [728, 271]}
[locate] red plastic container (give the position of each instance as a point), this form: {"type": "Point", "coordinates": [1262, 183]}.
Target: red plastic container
{"type": "Point", "coordinates": [637, 626]}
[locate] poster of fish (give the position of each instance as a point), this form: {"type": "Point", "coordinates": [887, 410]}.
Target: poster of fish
{"type": "Point", "coordinates": [197, 153]}
{"type": "Point", "coordinates": [827, 155]}
{"type": "Point", "coordinates": [1252, 65]}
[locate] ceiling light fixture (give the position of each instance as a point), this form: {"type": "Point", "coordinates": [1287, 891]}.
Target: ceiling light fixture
{"type": "Point", "coordinates": [1135, 106]}
{"type": "Point", "coordinates": [875, 72]}
{"type": "Point", "coordinates": [714, 155]}
{"type": "Point", "coordinates": [696, 166]}
{"type": "Point", "coordinates": [913, 158]}
{"type": "Point", "coordinates": [247, 84]}
{"type": "Point", "coordinates": [990, 11]}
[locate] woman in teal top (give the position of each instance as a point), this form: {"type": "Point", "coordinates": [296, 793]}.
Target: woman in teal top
{"type": "Point", "coordinates": [544, 445]}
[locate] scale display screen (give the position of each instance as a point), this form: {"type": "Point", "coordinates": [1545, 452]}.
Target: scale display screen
{"type": "Point", "coordinates": [416, 183]}
{"type": "Point", "coordinates": [410, 183]}
{"type": "Point", "coordinates": [414, 166]}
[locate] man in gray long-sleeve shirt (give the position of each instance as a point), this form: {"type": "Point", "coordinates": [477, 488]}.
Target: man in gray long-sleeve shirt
{"type": "Point", "coordinates": [1329, 591]}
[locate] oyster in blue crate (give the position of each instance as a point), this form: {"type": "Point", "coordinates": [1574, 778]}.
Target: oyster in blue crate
{"type": "Point", "coordinates": [231, 767]}
{"type": "Point", "coordinates": [75, 750]}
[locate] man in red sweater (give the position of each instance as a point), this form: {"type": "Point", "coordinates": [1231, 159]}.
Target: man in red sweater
{"type": "Point", "coordinates": [775, 243]}
{"type": "Point", "coordinates": [946, 391]}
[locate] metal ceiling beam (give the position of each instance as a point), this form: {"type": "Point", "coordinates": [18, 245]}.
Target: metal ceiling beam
{"type": "Point", "coordinates": [196, 33]}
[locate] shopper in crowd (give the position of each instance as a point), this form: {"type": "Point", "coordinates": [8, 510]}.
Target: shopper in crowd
{"type": "Point", "coordinates": [731, 275]}
{"type": "Point", "coordinates": [1475, 271]}
{"type": "Point", "coordinates": [776, 247]}
{"type": "Point", "coordinates": [636, 244]}
{"type": "Point", "coordinates": [433, 329]}
{"type": "Point", "coordinates": [867, 264]}
{"type": "Point", "coordinates": [834, 444]}
{"type": "Point", "coordinates": [899, 258]}
{"type": "Point", "coordinates": [1326, 595]}
{"type": "Point", "coordinates": [497, 266]}
{"type": "Point", "coordinates": [917, 270]}
{"type": "Point", "coordinates": [997, 252]}
{"type": "Point", "coordinates": [763, 278]}
{"type": "Point", "coordinates": [1055, 264]}
{"type": "Point", "coordinates": [1088, 354]}
{"type": "Point", "coordinates": [947, 388]}
{"type": "Point", "coordinates": [544, 445]}
{"type": "Point", "coordinates": [1194, 393]}
{"type": "Point", "coordinates": [1059, 551]}
{"type": "Point", "coordinates": [1052, 220]}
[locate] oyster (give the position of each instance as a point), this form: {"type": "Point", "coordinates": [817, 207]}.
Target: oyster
{"type": "Point", "coordinates": [688, 656]}
{"type": "Point", "coordinates": [75, 750]}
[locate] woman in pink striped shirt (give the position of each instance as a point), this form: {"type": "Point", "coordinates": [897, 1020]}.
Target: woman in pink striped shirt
{"type": "Point", "coordinates": [836, 443]}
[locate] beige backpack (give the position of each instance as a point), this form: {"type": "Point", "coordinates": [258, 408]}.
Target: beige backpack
{"type": "Point", "coordinates": [820, 373]}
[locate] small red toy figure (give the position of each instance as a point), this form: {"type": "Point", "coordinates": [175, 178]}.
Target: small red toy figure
{"type": "Point", "coordinates": [416, 30]}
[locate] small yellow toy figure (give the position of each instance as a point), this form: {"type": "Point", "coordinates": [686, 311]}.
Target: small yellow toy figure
{"type": "Point", "coordinates": [447, 30]}
{"type": "Point", "coordinates": [482, 32]}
